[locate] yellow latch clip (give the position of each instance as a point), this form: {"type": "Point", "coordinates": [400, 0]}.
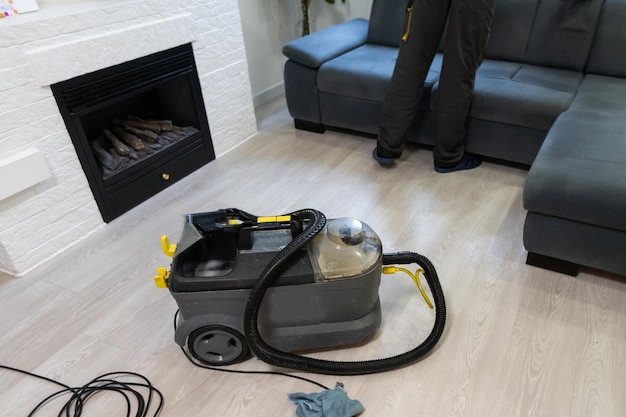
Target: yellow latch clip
{"type": "Point", "coordinates": [162, 276]}
{"type": "Point", "coordinates": [168, 248]}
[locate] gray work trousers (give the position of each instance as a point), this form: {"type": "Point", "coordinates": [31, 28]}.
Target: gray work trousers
{"type": "Point", "coordinates": [469, 27]}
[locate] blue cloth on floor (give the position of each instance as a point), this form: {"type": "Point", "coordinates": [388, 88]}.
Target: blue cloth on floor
{"type": "Point", "coordinates": [328, 403]}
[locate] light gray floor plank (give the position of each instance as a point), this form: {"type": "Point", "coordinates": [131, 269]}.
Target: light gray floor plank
{"type": "Point", "coordinates": [520, 341]}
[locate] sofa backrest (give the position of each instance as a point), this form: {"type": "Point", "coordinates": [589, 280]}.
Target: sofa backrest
{"type": "Point", "coordinates": [387, 22]}
{"type": "Point", "coordinates": [511, 28]}
{"type": "Point", "coordinates": [607, 55]}
{"type": "Point", "coordinates": [562, 33]}
{"type": "Point", "coordinates": [548, 33]}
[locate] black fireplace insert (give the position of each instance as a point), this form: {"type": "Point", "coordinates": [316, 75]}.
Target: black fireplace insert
{"type": "Point", "coordinates": [137, 127]}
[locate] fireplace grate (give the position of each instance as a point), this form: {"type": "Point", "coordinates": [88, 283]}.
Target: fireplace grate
{"type": "Point", "coordinates": [112, 82]}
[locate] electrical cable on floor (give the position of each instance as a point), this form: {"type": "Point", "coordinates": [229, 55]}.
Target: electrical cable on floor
{"type": "Point", "coordinates": [234, 371]}
{"type": "Point", "coordinates": [109, 382]}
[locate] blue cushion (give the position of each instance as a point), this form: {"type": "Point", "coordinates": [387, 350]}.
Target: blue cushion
{"type": "Point", "coordinates": [315, 49]}
{"type": "Point", "coordinates": [387, 22]}
{"type": "Point", "coordinates": [562, 34]}
{"type": "Point", "coordinates": [607, 52]}
{"type": "Point", "coordinates": [364, 73]}
{"type": "Point", "coordinates": [512, 23]}
{"type": "Point", "coordinates": [577, 173]}
{"type": "Point", "coordinates": [522, 95]}
{"type": "Point", "coordinates": [601, 93]}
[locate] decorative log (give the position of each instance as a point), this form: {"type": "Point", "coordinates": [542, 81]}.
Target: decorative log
{"type": "Point", "coordinates": [133, 154]}
{"type": "Point", "coordinates": [178, 133]}
{"type": "Point", "coordinates": [106, 159]}
{"type": "Point", "coordinates": [146, 135]}
{"type": "Point", "coordinates": [154, 146]}
{"type": "Point", "coordinates": [133, 139]}
{"type": "Point", "coordinates": [138, 125]}
{"type": "Point", "coordinates": [129, 139]}
{"type": "Point", "coordinates": [170, 137]}
{"type": "Point", "coordinates": [164, 125]}
{"type": "Point", "coordinates": [119, 146]}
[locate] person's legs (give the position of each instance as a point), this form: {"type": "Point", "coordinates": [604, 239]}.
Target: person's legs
{"type": "Point", "coordinates": [469, 28]}
{"type": "Point", "coordinates": [407, 82]}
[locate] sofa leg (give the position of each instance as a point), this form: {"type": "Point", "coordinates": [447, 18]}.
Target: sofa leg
{"type": "Point", "coordinates": [310, 126]}
{"type": "Point", "coordinates": [553, 264]}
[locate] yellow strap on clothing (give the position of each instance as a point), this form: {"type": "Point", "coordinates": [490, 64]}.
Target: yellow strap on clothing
{"type": "Point", "coordinates": [408, 25]}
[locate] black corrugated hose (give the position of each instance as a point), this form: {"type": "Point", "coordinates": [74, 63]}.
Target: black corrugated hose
{"type": "Point", "coordinates": [266, 353]}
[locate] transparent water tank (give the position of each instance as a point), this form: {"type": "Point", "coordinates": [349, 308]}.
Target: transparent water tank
{"type": "Point", "coordinates": [346, 247]}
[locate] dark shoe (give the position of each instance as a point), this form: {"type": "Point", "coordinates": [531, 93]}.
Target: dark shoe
{"type": "Point", "coordinates": [383, 161]}
{"type": "Point", "coordinates": [467, 162]}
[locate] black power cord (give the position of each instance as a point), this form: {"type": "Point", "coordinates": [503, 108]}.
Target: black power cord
{"type": "Point", "coordinates": [133, 393]}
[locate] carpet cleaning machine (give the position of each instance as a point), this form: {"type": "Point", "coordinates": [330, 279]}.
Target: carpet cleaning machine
{"type": "Point", "coordinates": [272, 286]}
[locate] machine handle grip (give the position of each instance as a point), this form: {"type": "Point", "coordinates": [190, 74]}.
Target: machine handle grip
{"type": "Point", "coordinates": [403, 257]}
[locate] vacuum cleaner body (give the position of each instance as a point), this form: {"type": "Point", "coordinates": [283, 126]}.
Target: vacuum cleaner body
{"type": "Point", "coordinates": [325, 296]}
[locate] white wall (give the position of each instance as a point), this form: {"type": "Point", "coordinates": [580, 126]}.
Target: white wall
{"type": "Point", "coordinates": [269, 24]}
{"type": "Point", "coordinates": [69, 37]}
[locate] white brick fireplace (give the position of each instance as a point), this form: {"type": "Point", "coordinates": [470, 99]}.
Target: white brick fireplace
{"type": "Point", "coordinates": [67, 38]}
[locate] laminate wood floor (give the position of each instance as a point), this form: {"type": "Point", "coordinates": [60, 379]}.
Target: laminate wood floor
{"type": "Point", "coordinates": [519, 341]}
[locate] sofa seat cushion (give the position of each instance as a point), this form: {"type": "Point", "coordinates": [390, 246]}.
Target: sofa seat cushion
{"type": "Point", "coordinates": [522, 95]}
{"type": "Point", "coordinates": [578, 173]}
{"type": "Point", "coordinates": [601, 93]}
{"type": "Point", "coordinates": [365, 72]}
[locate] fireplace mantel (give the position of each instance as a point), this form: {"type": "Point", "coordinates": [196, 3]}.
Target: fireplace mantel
{"type": "Point", "coordinates": [61, 61]}
{"type": "Point", "coordinates": [49, 9]}
{"type": "Point", "coordinates": [68, 37]}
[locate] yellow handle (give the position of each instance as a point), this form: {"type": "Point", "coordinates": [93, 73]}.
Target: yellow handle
{"type": "Point", "coordinates": [161, 279]}
{"type": "Point", "coordinates": [273, 219]}
{"type": "Point", "coordinates": [168, 248]}
{"type": "Point", "coordinates": [408, 25]}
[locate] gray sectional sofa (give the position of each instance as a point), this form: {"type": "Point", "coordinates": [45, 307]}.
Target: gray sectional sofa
{"type": "Point", "coordinates": [550, 94]}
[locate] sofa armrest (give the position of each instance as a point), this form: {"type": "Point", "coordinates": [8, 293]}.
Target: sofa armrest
{"type": "Point", "coordinates": [322, 46]}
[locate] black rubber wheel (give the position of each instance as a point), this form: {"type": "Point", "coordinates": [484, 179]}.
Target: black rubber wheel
{"type": "Point", "coordinates": [218, 345]}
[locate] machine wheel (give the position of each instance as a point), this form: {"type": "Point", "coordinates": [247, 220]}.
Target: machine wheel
{"type": "Point", "coordinates": [218, 345]}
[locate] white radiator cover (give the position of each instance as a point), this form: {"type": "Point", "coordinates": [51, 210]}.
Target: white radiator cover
{"type": "Point", "coordinates": [24, 169]}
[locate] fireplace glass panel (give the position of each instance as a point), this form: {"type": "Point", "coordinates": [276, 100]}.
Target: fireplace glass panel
{"type": "Point", "coordinates": [164, 103]}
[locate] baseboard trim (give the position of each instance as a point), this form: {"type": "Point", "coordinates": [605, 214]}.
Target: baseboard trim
{"type": "Point", "coordinates": [268, 95]}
